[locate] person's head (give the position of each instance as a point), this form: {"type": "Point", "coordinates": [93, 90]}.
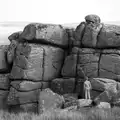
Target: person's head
{"type": "Point", "coordinates": [86, 78]}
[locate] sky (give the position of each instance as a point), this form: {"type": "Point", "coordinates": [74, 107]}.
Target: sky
{"type": "Point", "coordinates": [58, 11]}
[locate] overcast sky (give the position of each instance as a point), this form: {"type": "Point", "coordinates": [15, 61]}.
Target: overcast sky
{"type": "Point", "coordinates": [58, 11]}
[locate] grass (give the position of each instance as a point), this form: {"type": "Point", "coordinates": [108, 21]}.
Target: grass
{"type": "Point", "coordinates": [82, 114]}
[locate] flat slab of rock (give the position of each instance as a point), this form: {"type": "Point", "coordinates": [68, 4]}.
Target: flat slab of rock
{"type": "Point", "coordinates": [83, 103]}
{"type": "Point", "coordinates": [25, 86]}
{"type": "Point", "coordinates": [45, 33]}
{"type": "Point", "coordinates": [49, 100]}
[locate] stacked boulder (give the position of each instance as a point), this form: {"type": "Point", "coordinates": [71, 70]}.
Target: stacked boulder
{"type": "Point", "coordinates": [98, 55]}
{"type": "Point", "coordinates": [4, 77]}
{"type": "Point", "coordinates": [36, 60]}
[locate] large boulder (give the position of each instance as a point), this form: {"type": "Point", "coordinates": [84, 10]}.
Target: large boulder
{"type": "Point", "coordinates": [93, 18]}
{"type": "Point", "coordinates": [45, 33]}
{"type": "Point", "coordinates": [25, 86]}
{"type": "Point", "coordinates": [37, 62]}
{"type": "Point", "coordinates": [102, 84]}
{"type": "Point", "coordinates": [4, 81]}
{"type": "Point", "coordinates": [92, 29]}
{"type": "Point", "coordinates": [109, 36]}
{"type": "Point", "coordinates": [14, 36]}
{"type": "Point", "coordinates": [4, 66]}
{"type": "Point", "coordinates": [116, 99]}
{"type": "Point", "coordinates": [91, 34]}
{"type": "Point", "coordinates": [63, 85]}
{"type": "Point", "coordinates": [106, 96]}
{"type": "Point", "coordinates": [104, 105]}
{"type": "Point", "coordinates": [70, 65]}
{"type": "Point", "coordinates": [16, 97]}
{"type": "Point", "coordinates": [79, 33]}
{"type": "Point", "coordinates": [29, 108]}
{"type": "Point", "coordinates": [49, 100]}
{"type": "Point", "coordinates": [3, 99]}
{"type": "Point", "coordinates": [109, 65]}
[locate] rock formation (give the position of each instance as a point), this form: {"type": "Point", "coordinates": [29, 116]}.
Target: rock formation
{"type": "Point", "coordinates": [48, 62]}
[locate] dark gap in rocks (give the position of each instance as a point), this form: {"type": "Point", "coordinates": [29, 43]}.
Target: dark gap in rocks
{"type": "Point", "coordinates": [30, 80]}
{"type": "Point", "coordinates": [117, 34]}
{"type": "Point", "coordinates": [25, 90]}
{"type": "Point", "coordinates": [76, 74]}
{"type": "Point", "coordinates": [97, 90]}
{"type": "Point", "coordinates": [99, 64]}
{"type": "Point", "coordinates": [43, 64]}
{"type": "Point", "coordinates": [4, 90]}
{"type": "Point", "coordinates": [43, 42]}
{"type": "Point", "coordinates": [98, 35]}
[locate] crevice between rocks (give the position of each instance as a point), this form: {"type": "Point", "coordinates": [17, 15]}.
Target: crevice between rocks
{"type": "Point", "coordinates": [99, 64]}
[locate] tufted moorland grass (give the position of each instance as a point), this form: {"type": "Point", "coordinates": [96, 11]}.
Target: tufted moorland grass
{"type": "Point", "coordinates": [82, 114]}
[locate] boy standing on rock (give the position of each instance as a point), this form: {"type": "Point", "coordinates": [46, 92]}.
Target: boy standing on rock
{"type": "Point", "coordinates": [87, 88]}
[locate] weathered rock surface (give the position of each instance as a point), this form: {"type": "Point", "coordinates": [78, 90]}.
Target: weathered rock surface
{"type": "Point", "coordinates": [14, 36]}
{"type": "Point", "coordinates": [11, 51]}
{"type": "Point", "coordinates": [109, 36]}
{"type": "Point", "coordinates": [4, 66]}
{"type": "Point", "coordinates": [110, 64]}
{"type": "Point", "coordinates": [70, 99]}
{"type": "Point", "coordinates": [4, 81]}
{"type": "Point", "coordinates": [94, 93]}
{"type": "Point", "coordinates": [106, 96]}
{"type": "Point", "coordinates": [45, 33]}
{"type": "Point", "coordinates": [3, 99]}
{"type": "Point", "coordinates": [79, 33]}
{"type": "Point", "coordinates": [91, 34]}
{"type": "Point", "coordinates": [16, 97]}
{"type": "Point", "coordinates": [83, 103]}
{"type": "Point", "coordinates": [92, 63]}
{"type": "Point", "coordinates": [104, 105]}
{"type": "Point", "coordinates": [29, 107]}
{"type": "Point", "coordinates": [25, 86]}
{"type": "Point", "coordinates": [63, 85]}
{"type": "Point", "coordinates": [49, 100]}
{"type": "Point", "coordinates": [93, 18]}
{"type": "Point", "coordinates": [69, 67]}
{"type": "Point", "coordinates": [102, 84]}
{"type": "Point", "coordinates": [37, 62]}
